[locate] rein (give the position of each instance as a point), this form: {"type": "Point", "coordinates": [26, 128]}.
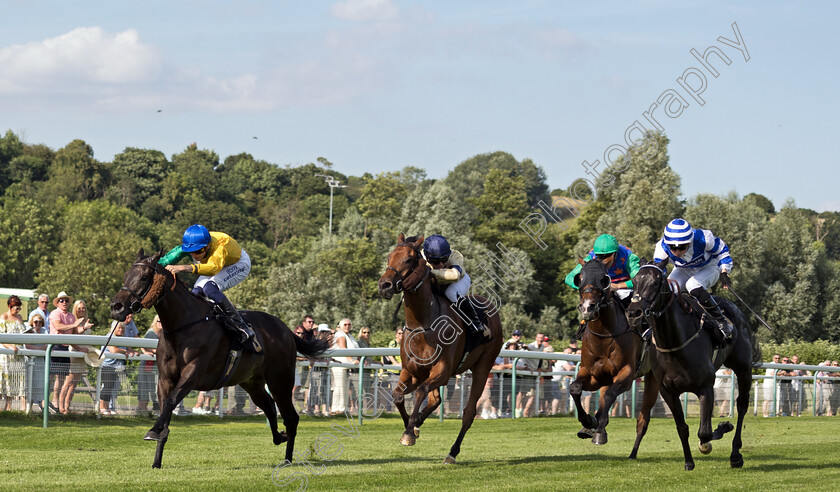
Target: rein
{"type": "Point", "coordinates": [655, 314]}
{"type": "Point", "coordinates": [141, 300]}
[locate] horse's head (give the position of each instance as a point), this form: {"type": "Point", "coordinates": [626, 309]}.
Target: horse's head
{"type": "Point", "coordinates": [593, 284]}
{"type": "Point", "coordinates": [648, 283]}
{"type": "Point", "coordinates": [137, 291]}
{"type": "Point", "coordinates": [406, 267]}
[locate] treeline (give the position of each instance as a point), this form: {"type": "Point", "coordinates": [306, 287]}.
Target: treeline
{"type": "Point", "coordinates": [70, 222]}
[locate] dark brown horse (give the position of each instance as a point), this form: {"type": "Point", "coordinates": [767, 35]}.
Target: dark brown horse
{"type": "Point", "coordinates": [433, 343]}
{"type": "Point", "coordinates": [610, 349]}
{"type": "Point", "coordinates": [193, 350]}
{"type": "Point", "coordinates": [682, 360]}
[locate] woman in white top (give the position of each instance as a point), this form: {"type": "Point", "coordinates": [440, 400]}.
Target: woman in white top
{"type": "Point", "coordinates": [341, 383]}
{"type": "Point", "coordinates": [769, 387]}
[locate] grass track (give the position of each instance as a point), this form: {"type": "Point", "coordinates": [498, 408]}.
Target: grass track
{"type": "Point", "coordinates": [542, 454]}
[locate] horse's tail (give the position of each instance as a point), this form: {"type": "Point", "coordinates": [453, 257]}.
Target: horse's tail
{"type": "Point", "coordinates": [310, 348]}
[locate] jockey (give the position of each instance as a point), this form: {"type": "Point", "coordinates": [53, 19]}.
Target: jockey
{"type": "Point", "coordinates": [621, 263]}
{"type": "Point", "coordinates": [700, 260]}
{"type": "Point", "coordinates": [448, 269]}
{"type": "Point", "coordinates": [220, 263]}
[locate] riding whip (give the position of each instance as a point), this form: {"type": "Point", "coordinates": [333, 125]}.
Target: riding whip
{"type": "Point", "coordinates": [748, 307]}
{"type": "Point", "coordinates": [104, 347]}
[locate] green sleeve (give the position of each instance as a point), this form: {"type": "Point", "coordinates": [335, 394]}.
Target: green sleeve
{"type": "Point", "coordinates": [174, 256]}
{"type": "Point", "coordinates": [570, 278]}
{"type": "Point", "coordinates": [633, 264]}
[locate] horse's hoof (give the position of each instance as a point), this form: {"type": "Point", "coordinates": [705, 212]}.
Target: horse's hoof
{"type": "Point", "coordinates": [705, 447]}
{"type": "Point", "coordinates": [152, 436]}
{"type": "Point", "coordinates": [407, 440]}
{"type": "Point", "coordinates": [585, 433]}
{"type": "Point", "coordinates": [416, 432]}
{"type": "Point", "coordinates": [599, 439]}
{"type": "Point", "coordinates": [280, 438]}
{"type": "Point", "coordinates": [449, 460]}
{"type": "Point", "coordinates": [737, 462]}
{"type": "Point", "coordinates": [689, 466]}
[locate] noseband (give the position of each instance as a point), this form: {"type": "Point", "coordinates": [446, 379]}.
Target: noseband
{"type": "Point", "coordinates": [137, 304]}
{"type": "Point", "coordinates": [400, 283]}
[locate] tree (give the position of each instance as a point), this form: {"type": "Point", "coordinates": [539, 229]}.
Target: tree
{"type": "Point", "coordinates": [467, 178]}
{"type": "Point", "coordinates": [99, 241]}
{"type": "Point", "coordinates": [10, 148]}
{"type": "Point", "coordinates": [76, 175]}
{"type": "Point", "coordinates": [27, 233]}
{"type": "Point", "coordinates": [380, 199]}
{"type": "Point", "coordinates": [139, 175]}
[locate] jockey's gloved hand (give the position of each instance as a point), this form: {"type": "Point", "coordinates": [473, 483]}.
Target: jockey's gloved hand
{"type": "Point", "coordinates": [725, 281]}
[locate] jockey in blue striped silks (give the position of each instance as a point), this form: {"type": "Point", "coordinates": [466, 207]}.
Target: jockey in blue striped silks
{"type": "Point", "coordinates": [700, 260]}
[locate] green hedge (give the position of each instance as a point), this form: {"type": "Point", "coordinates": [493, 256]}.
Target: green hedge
{"type": "Point", "coordinates": [811, 353]}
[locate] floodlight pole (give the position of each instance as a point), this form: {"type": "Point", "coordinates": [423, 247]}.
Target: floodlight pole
{"type": "Point", "coordinates": [333, 183]}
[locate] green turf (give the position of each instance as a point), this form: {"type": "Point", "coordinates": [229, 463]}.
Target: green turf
{"type": "Point", "coordinates": [204, 453]}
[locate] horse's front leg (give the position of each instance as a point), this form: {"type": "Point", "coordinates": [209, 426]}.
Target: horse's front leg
{"type": "Point", "coordinates": [704, 432]}
{"type": "Point", "coordinates": [406, 384]}
{"type": "Point", "coordinates": [620, 384]}
{"type": "Point", "coordinates": [736, 460]}
{"type": "Point", "coordinates": [160, 430]}
{"type": "Point", "coordinates": [587, 421]}
{"type": "Point", "coordinates": [409, 437]}
{"type": "Point", "coordinates": [673, 402]}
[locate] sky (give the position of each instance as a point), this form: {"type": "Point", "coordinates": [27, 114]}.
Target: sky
{"type": "Point", "coordinates": [377, 85]}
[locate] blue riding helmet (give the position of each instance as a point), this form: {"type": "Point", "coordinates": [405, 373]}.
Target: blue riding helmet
{"type": "Point", "coordinates": [196, 237]}
{"type": "Point", "coordinates": [436, 247]}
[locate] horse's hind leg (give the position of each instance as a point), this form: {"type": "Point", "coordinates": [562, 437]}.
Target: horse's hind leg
{"type": "Point", "coordinates": [642, 421]}
{"type": "Point", "coordinates": [608, 397]}
{"type": "Point", "coordinates": [265, 402]}
{"type": "Point", "coordinates": [704, 432]}
{"type": "Point", "coordinates": [282, 394]}
{"type": "Point", "coordinates": [736, 460]}
{"type": "Point", "coordinates": [479, 378]}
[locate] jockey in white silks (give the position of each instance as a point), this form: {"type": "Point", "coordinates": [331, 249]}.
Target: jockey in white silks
{"type": "Point", "coordinates": [700, 260]}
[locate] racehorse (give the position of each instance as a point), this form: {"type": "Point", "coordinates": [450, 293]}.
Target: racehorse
{"type": "Point", "coordinates": [610, 349]}
{"type": "Point", "coordinates": [682, 359]}
{"type": "Point", "coordinates": [193, 350]}
{"type": "Point", "coordinates": [433, 348]}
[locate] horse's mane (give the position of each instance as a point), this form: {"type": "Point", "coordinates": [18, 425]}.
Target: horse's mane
{"type": "Point", "coordinates": [410, 239]}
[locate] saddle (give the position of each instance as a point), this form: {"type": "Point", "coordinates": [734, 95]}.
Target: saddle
{"type": "Point", "coordinates": [236, 348]}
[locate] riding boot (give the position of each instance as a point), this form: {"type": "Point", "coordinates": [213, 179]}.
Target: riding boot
{"type": "Point", "coordinates": [246, 333]}
{"type": "Point", "coordinates": [465, 308]}
{"type": "Point", "coordinates": [713, 308]}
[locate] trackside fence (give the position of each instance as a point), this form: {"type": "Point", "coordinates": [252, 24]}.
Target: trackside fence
{"type": "Point", "coordinates": [535, 385]}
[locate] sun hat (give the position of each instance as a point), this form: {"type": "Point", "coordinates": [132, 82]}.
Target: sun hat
{"type": "Point", "coordinates": [92, 358]}
{"type": "Point", "coordinates": [62, 295]}
{"type": "Point", "coordinates": [324, 327]}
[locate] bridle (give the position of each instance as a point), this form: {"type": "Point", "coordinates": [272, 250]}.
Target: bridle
{"type": "Point", "coordinates": [406, 282]}
{"type": "Point", "coordinates": [647, 312]}
{"type": "Point", "coordinates": [137, 304]}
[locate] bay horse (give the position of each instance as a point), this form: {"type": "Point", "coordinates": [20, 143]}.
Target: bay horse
{"type": "Point", "coordinates": [192, 351]}
{"type": "Point", "coordinates": [682, 360]}
{"type": "Point", "coordinates": [433, 348]}
{"type": "Point", "coordinates": [610, 349]}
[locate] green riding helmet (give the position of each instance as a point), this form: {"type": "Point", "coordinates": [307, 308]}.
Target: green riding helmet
{"type": "Point", "coordinates": [605, 244]}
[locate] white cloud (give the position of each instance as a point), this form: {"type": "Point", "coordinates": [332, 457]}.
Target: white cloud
{"type": "Point", "coordinates": [86, 55]}
{"type": "Point", "coordinates": [365, 10]}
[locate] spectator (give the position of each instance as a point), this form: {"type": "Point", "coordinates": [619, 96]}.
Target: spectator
{"type": "Point", "coordinates": [796, 396]}
{"type": "Point", "coordinates": [64, 322]}
{"type": "Point", "coordinates": [43, 304]}
{"type": "Point", "coordinates": [308, 325]}
{"type": "Point", "coordinates": [364, 342]}
{"type": "Point", "coordinates": [36, 324]}
{"type": "Point", "coordinates": [723, 391]}
{"type": "Point", "coordinates": [516, 337]}
{"type": "Point", "coordinates": [340, 382]}
{"type": "Point", "coordinates": [484, 406]}
{"type": "Point", "coordinates": [834, 398]}
{"type": "Point", "coordinates": [131, 330]}
{"type": "Point", "coordinates": [204, 402]}
{"type": "Point", "coordinates": [110, 368]}
{"type": "Point", "coordinates": [146, 388]}
{"type": "Point", "coordinates": [559, 388]}
{"type": "Point", "coordinates": [318, 381]}
{"type": "Point", "coordinates": [298, 369]}
{"type": "Point", "coordinates": [573, 344]}
{"type": "Point", "coordinates": [824, 387]}
{"type": "Point", "coordinates": [12, 369]}
{"type": "Point", "coordinates": [770, 388]}
{"type": "Point", "coordinates": [506, 363]}
{"type": "Point", "coordinates": [785, 388]}
{"type": "Point", "coordinates": [77, 365]}
{"type": "Point", "coordinates": [388, 377]}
